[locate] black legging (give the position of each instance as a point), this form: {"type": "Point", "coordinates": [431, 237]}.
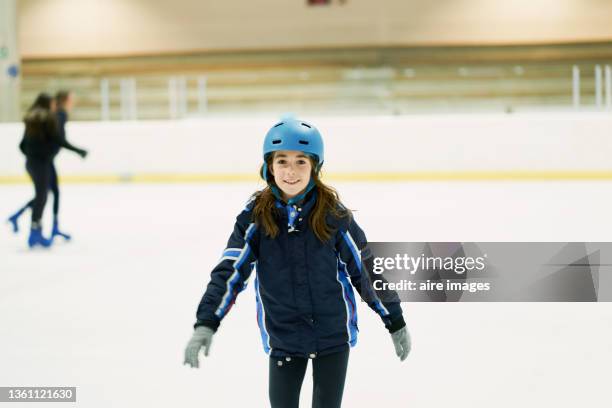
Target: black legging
{"type": "Point", "coordinates": [53, 186]}
{"type": "Point", "coordinates": [44, 177]}
{"type": "Point", "coordinates": [328, 374]}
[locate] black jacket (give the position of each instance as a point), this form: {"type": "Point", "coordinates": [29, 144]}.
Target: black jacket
{"type": "Point", "coordinates": [44, 135]}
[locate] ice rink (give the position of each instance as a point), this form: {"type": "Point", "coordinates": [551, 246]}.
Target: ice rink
{"type": "Point", "coordinates": [111, 311]}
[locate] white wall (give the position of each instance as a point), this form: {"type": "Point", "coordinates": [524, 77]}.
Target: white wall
{"type": "Point", "coordinates": [119, 27]}
{"type": "Point", "coordinates": [491, 142]}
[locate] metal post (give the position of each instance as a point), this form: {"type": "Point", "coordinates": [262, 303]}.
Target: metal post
{"type": "Point", "coordinates": [172, 98]}
{"type": "Point", "coordinates": [124, 93]}
{"type": "Point", "coordinates": [576, 86]}
{"type": "Point", "coordinates": [104, 99]}
{"type": "Point", "coordinates": [608, 87]}
{"type": "Point", "coordinates": [132, 98]}
{"type": "Point", "coordinates": [598, 86]}
{"type": "Point", "coordinates": [182, 96]}
{"type": "Point", "coordinates": [202, 97]}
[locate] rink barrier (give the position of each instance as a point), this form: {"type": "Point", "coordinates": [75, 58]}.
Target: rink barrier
{"type": "Point", "coordinates": [343, 177]}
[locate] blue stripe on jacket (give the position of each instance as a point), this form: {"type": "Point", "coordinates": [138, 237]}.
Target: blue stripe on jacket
{"type": "Point", "coordinates": [232, 288]}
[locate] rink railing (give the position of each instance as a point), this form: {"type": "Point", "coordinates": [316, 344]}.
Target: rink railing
{"type": "Point", "coordinates": [358, 90]}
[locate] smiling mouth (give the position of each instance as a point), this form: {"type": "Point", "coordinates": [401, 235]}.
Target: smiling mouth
{"type": "Point", "coordinates": [291, 182]}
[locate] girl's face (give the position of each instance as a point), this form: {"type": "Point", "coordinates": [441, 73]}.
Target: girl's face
{"type": "Point", "coordinates": [291, 170]}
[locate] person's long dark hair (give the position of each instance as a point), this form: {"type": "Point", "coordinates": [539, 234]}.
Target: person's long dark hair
{"type": "Point", "coordinates": [327, 203]}
{"type": "Point", "coordinates": [42, 101]}
{"type": "Point", "coordinates": [39, 120]}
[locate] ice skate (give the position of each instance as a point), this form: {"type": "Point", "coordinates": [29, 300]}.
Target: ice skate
{"type": "Point", "coordinates": [13, 219]}
{"type": "Point", "coordinates": [57, 233]}
{"type": "Point", "coordinates": [36, 238]}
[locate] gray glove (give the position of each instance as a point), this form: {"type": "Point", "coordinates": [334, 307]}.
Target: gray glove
{"type": "Point", "coordinates": [401, 341]}
{"type": "Point", "coordinates": [202, 337]}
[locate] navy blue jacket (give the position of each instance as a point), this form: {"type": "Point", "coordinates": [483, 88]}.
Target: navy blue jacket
{"type": "Point", "coordinates": [305, 301]}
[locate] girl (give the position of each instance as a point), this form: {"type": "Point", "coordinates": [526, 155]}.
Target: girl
{"type": "Point", "coordinates": [305, 247]}
{"type": "Point", "coordinates": [41, 141]}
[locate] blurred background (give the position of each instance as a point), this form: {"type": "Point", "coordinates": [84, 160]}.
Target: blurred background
{"type": "Point", "coordinates": [443, 121]}
{"type": "Point", "coordinates": [157, 59]}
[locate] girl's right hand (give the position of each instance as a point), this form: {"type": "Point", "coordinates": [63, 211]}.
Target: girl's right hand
{"type": "Point", "coordinates": [202, 337]}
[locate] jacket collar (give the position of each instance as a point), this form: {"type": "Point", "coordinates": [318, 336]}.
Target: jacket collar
{"type": "Point", "coordinates": [298, 210]}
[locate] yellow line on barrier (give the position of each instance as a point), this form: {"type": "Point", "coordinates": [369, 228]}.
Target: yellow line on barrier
{"type": "Point", "coordinates": [475, 176]}
{"type": "Point", "coordinates": [347, 177]}
{"type": "Point", "coordinates": [193, 178]}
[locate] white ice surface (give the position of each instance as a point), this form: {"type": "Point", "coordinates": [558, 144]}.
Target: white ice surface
{"type": "Point", "coordinates": [112, 311]}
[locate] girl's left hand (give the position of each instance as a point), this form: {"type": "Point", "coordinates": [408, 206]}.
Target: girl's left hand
{"type": "Point", "coordinates": [401, 341]}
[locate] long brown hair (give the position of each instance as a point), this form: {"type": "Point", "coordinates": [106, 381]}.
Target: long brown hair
{"type": "Point", "coordinates": [327, 203]}
{"type": "Point", "coordinates": [39, 121]}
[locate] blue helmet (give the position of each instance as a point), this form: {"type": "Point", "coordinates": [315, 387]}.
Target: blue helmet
{"type": "Point", "coordinates": [294, 134]}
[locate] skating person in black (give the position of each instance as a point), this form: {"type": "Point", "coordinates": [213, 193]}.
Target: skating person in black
{"type": "Point", "coordinates": [64, 101]}
{"type": "Point", "coordinates": [41, 142]}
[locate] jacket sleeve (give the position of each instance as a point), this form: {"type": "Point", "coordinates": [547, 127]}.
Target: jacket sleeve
{"type": "Point", "coordinates": [60, 134]}
{"type": "Point", "coordinates": [231, 274]}
{"type": "Point", "coordinates": [357, 260]}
